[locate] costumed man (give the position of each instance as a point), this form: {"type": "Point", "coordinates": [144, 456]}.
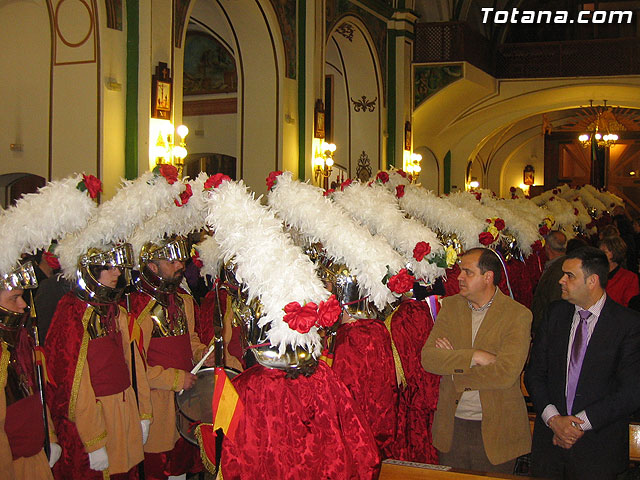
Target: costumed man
{"type": "Point", "coordinates": [166, 317]}
{"type": "Point", "coordinates": [103, 422]}
{"type": "Point", "coordinates": [293, 418]}
{"type": "Point", "coordinates": [32, 224]}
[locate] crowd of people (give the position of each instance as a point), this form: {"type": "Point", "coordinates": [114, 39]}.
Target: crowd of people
{"type": "Point", "coordinates": [362, 325]}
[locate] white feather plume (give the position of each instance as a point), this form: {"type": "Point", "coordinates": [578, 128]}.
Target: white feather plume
{"type": "Point", "coordinates": [39, 218]}
{"type": "Point", "coordinates": [210, 254]}
{"type": "Point", "coordinates": [303, 207]}
{"type": "Point", "coordinates": [267, 262]}
{"type": "Point", "coordinates": [117, 218]}
{"type": "Point", "coordinates": [376, 207]}
{"type": "Point", "coordinates": [174, 220]}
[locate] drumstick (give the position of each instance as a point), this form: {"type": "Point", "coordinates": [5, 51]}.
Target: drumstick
{"type": "Point", "coordinates": [200, 363]}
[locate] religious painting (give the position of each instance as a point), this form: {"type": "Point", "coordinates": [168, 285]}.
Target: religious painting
{"type": "Point", "coordinates": [161, 93]}
{"type": "Point", "coordinates": [528, 175]}
{"type": "Point", "coordinates": [318, 124]}
{"type": "Point", "coordinates": [209, 67]}
{"type": "Point", "coordinates": [430, 79]}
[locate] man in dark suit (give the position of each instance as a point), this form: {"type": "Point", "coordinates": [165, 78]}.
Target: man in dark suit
{"type": "Point", "coordinates": [583, 376]}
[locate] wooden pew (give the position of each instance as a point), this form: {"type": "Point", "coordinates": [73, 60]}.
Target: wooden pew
{"type": "Point", "coordinates": [634, 441]}
{"type": "Point", "coordinates": [396, 470]}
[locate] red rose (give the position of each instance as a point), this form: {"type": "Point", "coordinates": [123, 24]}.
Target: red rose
{"type": "Point", "coordinates": [51, 259]}
{"type": "Point", "coordinates": [401, 282]}
{"type": "Point", "coordinates": [328, 312]}
{"type": "Point", "coordinates": [402, 173]}
{"type": "Point", "coordinates": [499, 224]}
{"type": "Point", "coordinates": [488, 220]}
{"type": "Point", "coordinates": [383, 177]}
{"type": "Point", "coordinates": [410, 178]}
{"type": "Point", "coordinates": [537, 246]}
{"type": "Point", "coordinates": [512, 189]}
{"type": "Point", "coordinates": [544, 230]}
{"type": "Point", "coordinates": [400, 191]}
{"type": "Point", "coordinates": [575, 212]}
{"type": "Point", "coordinates": [420, 250]}
{"type": "Point", "coordinates": [486, 238]}
{"type": "Point", "coordinates": [555, 191]}
{"type": "Point", "coordinates": [329, 192]}
{"type": "Point", "coordinates": [271, 179]}
{"type": "Point", "coordinates": [196, 259]}
{"type": "Point", "coordinates": [92, 184]}
{"type": "Point", "coordinates": [300, 318]}
{"type": "Point", "coordinates": [478, 195]}
{"type": "Point", "coordinates": [345, 184]}
{"type": "Point", "coordinates": [169, 172]}
{"type": "Point", "coordinates": [551, 199]}
{"type": "Point", "coordinates": [214, 181]}
{"type": "Point", "coordinates": [184, 196]}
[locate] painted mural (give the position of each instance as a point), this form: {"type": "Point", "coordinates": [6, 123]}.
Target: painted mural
{"type": "Point", "coordinates": [429, 79]}
{"type": "Point", "coordinates": [209, 68]}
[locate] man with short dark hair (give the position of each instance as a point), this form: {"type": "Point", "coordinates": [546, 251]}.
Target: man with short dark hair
{"type": "Point", "coordinates": [479, 345]}
{"type": "Point", "coordinates": [583, 376]}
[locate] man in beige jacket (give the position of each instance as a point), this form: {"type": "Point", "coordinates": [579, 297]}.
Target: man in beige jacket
{"type": "Point", "coordinates": [479, 345]}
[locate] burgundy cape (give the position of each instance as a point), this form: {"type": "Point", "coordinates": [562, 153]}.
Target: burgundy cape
{"type": "Point", "coordinates": [363, 360]}
{"type": "Point", "coordinates": [410, 327]}
{"type": "Point", "coordinates": [308, 427]}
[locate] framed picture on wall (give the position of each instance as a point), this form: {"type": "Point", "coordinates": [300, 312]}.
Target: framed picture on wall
{"type": "Point", "coordinates": [161, 93]}
{"type": "Point", "coordinates": [318, 120]}
{"type": "Point", "coordinates": [407, 136]}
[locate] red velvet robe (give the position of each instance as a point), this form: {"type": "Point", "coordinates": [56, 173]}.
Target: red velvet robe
{"type": "Point", "coordinates": [411, 325]}
{"type": "Point", "coordinates": [363, 360]}
{"type": "Point", "coordinates": [308, 427]}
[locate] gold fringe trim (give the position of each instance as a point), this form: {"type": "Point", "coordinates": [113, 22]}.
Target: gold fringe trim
{"type": "Point", "coordinates": [145, 313]}
{"type": "Point", "coordinates": [174, 387]}
{"type": "Point", "coordinates": [105, 474]}
{"type": "Point", "coordinates": [4, 364]}
{"type": "Point", "coordinates": [209, 465]}
{"type": "Point", "coordinates": [93, 441]}
{"type": "Point", "coordinates": [400, 378]}
{"type": "Point", "coordinates": [82, 356]}
{"type": "Point", "coordinates": [146, 416]}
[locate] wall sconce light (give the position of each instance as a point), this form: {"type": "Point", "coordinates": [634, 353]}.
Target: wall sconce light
{"type": "Point", "coordinates": [168, 150]}
{"type": "Point", "coordinates": [412, 166]}
{"type": "Point", "coordinates": [474, 183]}
{"type": "Point", "coordinates": [323, 162]}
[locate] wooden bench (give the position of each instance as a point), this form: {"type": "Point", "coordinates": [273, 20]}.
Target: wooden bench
{"type": "Point", "coordinates": [392, 470]}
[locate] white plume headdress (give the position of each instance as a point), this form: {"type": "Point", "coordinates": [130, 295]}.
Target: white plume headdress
{"type": "Point", "coordinates": [117, 218]}
{"type": "Point", "coordinates": [369, 258]}
{"type": "Point", "coordinates": [268, 264]}
{"type": "Point", "coordinates": [376, 207]}
{"type": "Point", "coordinates": [37, 219]}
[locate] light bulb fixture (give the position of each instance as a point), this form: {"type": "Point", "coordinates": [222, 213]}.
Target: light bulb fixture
{"type": "Point", "coordinates": [323, 162]}
{"type": "Point", "coordinates": [474, 184]}
{"type": "Point", "coordinates": [171, 146]}
{"type": "Point", "coordinates": [412, 164]}
{"type": "Point", "coordinates": [602, 123]}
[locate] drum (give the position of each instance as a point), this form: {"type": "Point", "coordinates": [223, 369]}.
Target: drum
{"type": "Point", "coordinates": [193, 406]}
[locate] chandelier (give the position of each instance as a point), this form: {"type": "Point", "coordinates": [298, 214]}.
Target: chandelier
{"type": "Point", "coordinates": [599, 131]}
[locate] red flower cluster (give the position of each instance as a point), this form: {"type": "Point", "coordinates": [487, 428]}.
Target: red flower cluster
{"type": "Point", "coordinates": [543, 230]}
{"type": "Point", "coordinates": [555, 191]}
{"type": "Point", "coordinates": [537, 246]}
{"type": "Point", "coordinates": [485, 238]}
{"type": "Point", "coordinates": [91, 184]}
{"type": "Point", "coordinates": [551, 199]}
{"type": "Point", "coordinates": [402, 173]}
{"type": "Point", "coordinates": [421, 250]}
{"type": "Point", "coordinates": [271, 179]}
{"type": "Point", "coordinates": [51, 259]}
{"type": "Point", "coordinates": [329, 192]}
{"type": "Point", "coordinates": [196, 259]}
{"type": "Point", "coordinates": [400, 191]}
{"type": "Point", "coordinates": [499, 224]}
{"type": "Point", "coordinates": [345, 184]}
{"type": "Point", "coordinates": [184, 196]}
{"type": "Point", "coordinates": [169, 172]}
{"type": "Point", "coordinates": [302, 318]}
{"type": "Point", "coordinates": [512, 189]}
{"type": "Point", "coordinates": [478, 195]}
{"type": "Point", "coordinates": [383, 177]}
{"type": "Point", "coordinates": [214, 181]}
{"type": "Point", "coordinates": [401, 282]}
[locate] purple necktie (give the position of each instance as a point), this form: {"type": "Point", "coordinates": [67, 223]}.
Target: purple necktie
{"type": "Point", "coordinates": [577, 355]}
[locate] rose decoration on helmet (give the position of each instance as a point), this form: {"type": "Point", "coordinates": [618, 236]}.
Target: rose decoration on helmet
{"type": "Point", "coordinates": [345, 184]}
{"type": "Point", "coordinates": [301, 318]}
{"type": "Point", "coordinates": [402, 173]}
{"type": "Point", "coordinates": [195, 258]}
{"type": "Point", "coordinates": [169, 172]}
{"type": "Point", "coordinates": [271, 179]}
{"type": "Point", "coordinates": [478, 195]}
{"type": "Point", "coordinates": [90, 184]}
{"type": "Point", "coordinates": [214, 181]}
{"type": "Point", "coordinates": [537, 246]}
{"type": "Point", "coordinates": [329, 192]}
{"type": "Point", "coordinates": [485, 238]}
{"type": "Point", "coordinates": [400, 191]}
{"type": "Point", "coordinates": [184, 196]}
{"type": "Point", "coordinates": [51, 260]}
{"type": "Point", "coordinates": [382, 177]}
{"type": "Point", "coordinates": [421, 250]}
{"type": "Point", "coordinates": [576, 212]}
{"type": "Point", "coordinates": [401, 282]}
{"type": "Point", "coordinates": [451, 256]}
{"type": "Point", "coordinates": [545, 226]}
{"type": "Point", "coordinates": [328, 312]}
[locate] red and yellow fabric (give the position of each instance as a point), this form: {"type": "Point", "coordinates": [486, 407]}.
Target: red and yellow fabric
{"type": "Point", "coordinates": [308, 427]}
{"type": "Point", "coordinates": [410, 326]}
{"type": "Point", "coordinates": [86, 421]}
{"type": "Point", "coordinates": [363, 360]}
